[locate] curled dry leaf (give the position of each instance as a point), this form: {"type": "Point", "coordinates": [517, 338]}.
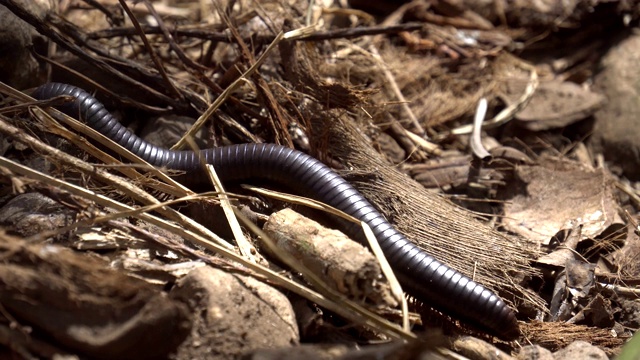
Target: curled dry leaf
{"type": "Point", "coordinates": [554, 104]}
{"type": "Point", "coordinates": [558, 194]}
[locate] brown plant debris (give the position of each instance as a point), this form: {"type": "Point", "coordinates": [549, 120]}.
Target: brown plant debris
{"type": "Point", "coordinates": [346, 266]}
{"type": "Point", "coordinates": [427, 218]}
{"type": "Point", "coordinates": [555, 104]}
{"type": "Point", "coordinates": [555, 195]}
{"type": "Point", "coordinates": [555, 336]}
{"type": "Point", "coordinates": [381, 91]}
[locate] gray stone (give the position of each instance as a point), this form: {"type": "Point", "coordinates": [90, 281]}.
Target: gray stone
{"type": "Point", "coordinates": [617, 125]}
{"type": "Point", "coordinates": [32, 213]}
{"type": "Point", "coordinates": [233, 315]}
{"type": "Point", "coordinates": [165, 131]}
{"type": "Point", "coordinates": [580, 350]}
{"type": "Point", "coordinates": [18, 67]}
{"type": "Point", "coordinates": [534, 352]}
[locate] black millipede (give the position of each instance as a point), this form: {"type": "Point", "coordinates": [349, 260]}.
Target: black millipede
{"type": "Point", "coordinates": [419, 273]}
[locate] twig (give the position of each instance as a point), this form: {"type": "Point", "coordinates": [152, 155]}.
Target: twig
{"type": "Point", "coordinates": [277, 118]}
{"type": "Point", "coordinates": [630, 191]}
{"type": "Point", "coordinates": [417, 128]}
{"type": "Point", "coordinates": [475, 142]}
{"type": "Point", "coordinates": [621, 290]}
{"type": "Point", "coordinates": [177, 49]}
{"type": "Point", "coordinates": [313, 278]}
{"type": "Point", "coordinates": [115, 19]}
{"type": "Point", "coordinates": [373, 243]}
{"type": "Point", "coordinates": [406, 139]}
{"type": "Point", "coordinates": [424, 144]}
{"type": "Point", "coordinates": [210, 32]}
{"type": "Point", "coordinates": [99, 86]}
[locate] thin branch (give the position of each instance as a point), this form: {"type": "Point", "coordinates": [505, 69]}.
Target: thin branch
{"type": "Point", "coordinates": [209, 34]}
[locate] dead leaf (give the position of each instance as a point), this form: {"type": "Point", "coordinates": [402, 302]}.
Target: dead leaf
{"type": "Point", "coordinates": [559, 194]}
{"type": "Point", "coordinates": [554, 104]}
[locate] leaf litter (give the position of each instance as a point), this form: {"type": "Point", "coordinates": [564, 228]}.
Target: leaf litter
{"type": "Point", "coordinates": [539, 219]}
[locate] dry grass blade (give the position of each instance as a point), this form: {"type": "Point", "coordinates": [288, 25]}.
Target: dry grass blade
{"type": "Point", "coordinates": [388, 273]}
{"type": "Point", "coordinates": [396, 91]}
{"type": "Point", "coordinates": [129, 170]}
{"type": "Point", "coordinates": [424, 144]}
{"type": "Point", "coordinates": [225, 94]}
{"type": "Point", "coordinates": [82, 128]}
{"type": "Point", "coordinates": [476, 142]}
{"type": "Point", "coordinates": [300, 200]}
{"type": "Point", "coordinates": [134, 212]}
{"type": "Point", "coordinates": [246, 249]}
{"type": "Point", "coordinates": [14, 93]}
{"type": "Point", "coordinates": [124, 210]}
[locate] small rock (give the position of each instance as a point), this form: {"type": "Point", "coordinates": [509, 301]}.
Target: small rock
{"type": "Point", "coordinates": [32, 213]}
{"type": "Point", "coordinates": [617, 125]}
{"type": "Point", "coordinates": [580, 350]}
{"type": "Point", "coordinates": [18, 67]}
{"type": "Point", "coordinates": [85, 306]}
{"type": "Point", "coordinates": [474, 348]}
{"type": "Point", "coordinates": [165, 131]}
{"type": "Point", "coordinates": [426, 349]}
{"type": "Point", "coordinates": [302, 352]}
{"type": "Point", "coordinates": [630, 314]}
{"type": "Point", "coordinates": [233, 315]}
{"type": "Point", "coordinates": [534, 352]}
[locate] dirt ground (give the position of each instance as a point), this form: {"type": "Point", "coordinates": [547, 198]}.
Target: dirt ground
{"type": "Point", "coordinates": [499, 136]}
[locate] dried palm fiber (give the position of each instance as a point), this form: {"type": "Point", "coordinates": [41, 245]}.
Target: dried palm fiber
{"type": "Point", "coordinates": [450, 233]}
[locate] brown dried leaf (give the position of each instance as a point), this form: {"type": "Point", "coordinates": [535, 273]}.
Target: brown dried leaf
{"type": "Point", "coordinates": [564, 254]}
{"type": "Point", "coordinates": [558, 194]}
{"type": "Point", "coordinates": [554, 104]}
